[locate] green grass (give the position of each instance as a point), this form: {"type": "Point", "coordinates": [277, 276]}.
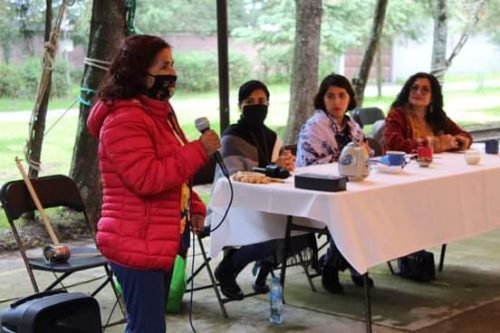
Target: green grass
{"type": "Point", "coordinates": [14, 104]}
{"type": "Point", "coordinates": [480, 77]}
{"type": "Point", "coordinates": [3, 221]}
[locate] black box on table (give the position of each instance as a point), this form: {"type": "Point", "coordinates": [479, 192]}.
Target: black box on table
{"type": "Point", "coordinates": [316, 182]}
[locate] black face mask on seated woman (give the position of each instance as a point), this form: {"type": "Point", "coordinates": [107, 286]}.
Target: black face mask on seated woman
{"type": "Point", "coordinates": [254, 115]}
{"type": "Point", "coordinates": [163, 87]}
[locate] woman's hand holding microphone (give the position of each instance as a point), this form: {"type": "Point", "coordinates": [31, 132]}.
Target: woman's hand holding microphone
{"type": "Point", "coordinates": [210, 141]}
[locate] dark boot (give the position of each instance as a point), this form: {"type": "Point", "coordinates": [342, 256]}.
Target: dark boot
{"type": "Point", "coordinates": [330, 280]}
{"type": "Point", "coordinates": [226, 273]}
{"type": "Point", "coordinates": [358, 280]}
{"type": "Point", "coordinates": [261, 271]}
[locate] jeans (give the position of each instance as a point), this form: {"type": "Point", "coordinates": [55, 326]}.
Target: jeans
{"type": "Point", "coordinates": [145, 293]}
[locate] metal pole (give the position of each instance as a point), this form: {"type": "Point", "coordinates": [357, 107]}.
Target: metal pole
{"type": "Point", "coordinates": [222, 42]}
{"type": "Point", "coordinates": [368, 306]}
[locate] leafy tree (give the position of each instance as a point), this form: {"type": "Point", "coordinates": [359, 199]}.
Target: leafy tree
{"type": "Point", "coordinates": [345, 24]}
{"type": "Point", "coordinates": [181, 16]}
{"type": "Point", "coordinates": [8, 31]}
{"type": "Point", "coordinates": [31, 18]}
{"type": "Point", "coordinates": [406, 19]}
{"type": "Point", "coordinates": [489, 23]}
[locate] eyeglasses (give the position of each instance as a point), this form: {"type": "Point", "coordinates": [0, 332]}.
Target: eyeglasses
{"type": "Point", "coordinates": [424, 90]}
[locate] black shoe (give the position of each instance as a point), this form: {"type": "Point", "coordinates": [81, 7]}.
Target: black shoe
{"type": "Point", "coordinates": [330, 280]}
{"type": "Point", "coordinates": [358, 281]}
{"type": "Point", "coordinates": [261, 271]}
{"type": "Point", "coordinates": [318, 265]}
{"type": "Point", "coordinates": [227, 282]}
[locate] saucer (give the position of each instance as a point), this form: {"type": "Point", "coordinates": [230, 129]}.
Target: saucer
{"type": "Point", "coordinates": [380, 167]}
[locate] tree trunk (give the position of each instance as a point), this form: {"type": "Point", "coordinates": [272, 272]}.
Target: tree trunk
{"type": "Point", "coordinates": [305, 66]}
{"type": "Point", "coordinates": [439, 63]}
{"type": "Point", "coordinates": [380, 71]}
{"type": "Point", "coordinates": [366, 64]}
{"type": "Point", "coordinates": [106, 35]}
{"type": "Point", "coordinates": [37, 124]}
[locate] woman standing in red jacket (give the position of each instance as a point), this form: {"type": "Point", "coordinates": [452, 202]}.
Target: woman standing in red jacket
{"type": "Point", "coordinates": [146, 164]}
{"type": "Point", "coordinates": [417, 115]}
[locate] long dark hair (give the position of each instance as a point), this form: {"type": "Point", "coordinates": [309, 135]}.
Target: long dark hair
{"type": "Point", "coordinates": [435, 115]}
{"type": "Point", "coordinates": [126, 76]}
{"type": "Point", "coordinates": [337, 81]}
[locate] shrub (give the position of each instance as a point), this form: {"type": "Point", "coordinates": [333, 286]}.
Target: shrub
{"type": "Point", "coordinates": [197, 71]}
{"type": "Point", "coordinates": [31, 71]}
{"type": "Point", "coordinates": [276, 63]}
{"type": "Point", "coordinates": [239, 68]}
{"type": "Point", "coordinates": [61, 80]}
{"type": "Point", "coordinates": [10, 80]}
{"type": "Point", "coordinates": [22, 80]}
{"type": "Point", "coordinates": [328, 64]}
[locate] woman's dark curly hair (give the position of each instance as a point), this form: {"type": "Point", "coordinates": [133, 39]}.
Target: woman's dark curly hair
{"type": "Point", "coordinates": [435, 115]}
{"type": "Point", "coordinates": [337, 81]}
{"type": "Point", "coordinates": [126, 76]}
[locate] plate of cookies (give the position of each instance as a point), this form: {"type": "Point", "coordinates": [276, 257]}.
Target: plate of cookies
{"type": "Point", "coordinates": [251, 177]}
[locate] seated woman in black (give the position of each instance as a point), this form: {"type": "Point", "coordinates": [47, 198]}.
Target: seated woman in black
{"type": "Point", "coordinates": [247, 144]}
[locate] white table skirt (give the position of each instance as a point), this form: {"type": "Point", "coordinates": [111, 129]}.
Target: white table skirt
{"type": "Point", "coordinates": [381, 218]}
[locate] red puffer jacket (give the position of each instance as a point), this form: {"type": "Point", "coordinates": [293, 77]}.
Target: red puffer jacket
{"type": "Point", "coordinates": [143, 166]}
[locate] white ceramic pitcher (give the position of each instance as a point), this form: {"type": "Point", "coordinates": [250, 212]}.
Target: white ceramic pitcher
{"type": "Point", "coordinates": [354, 162]}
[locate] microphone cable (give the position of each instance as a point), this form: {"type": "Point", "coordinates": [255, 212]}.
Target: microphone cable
{"type": "Point", "coordinates": [191, 324]}
{"type": "Point", "coordinates": [193, 245]}
{"type": "Point", "coordinates": [231, 196]}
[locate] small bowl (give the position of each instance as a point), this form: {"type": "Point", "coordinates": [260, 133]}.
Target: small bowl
{"type": "Point", "coordinates": [472, 157]}
{"type": "Point", "coordinates": [424, 163]}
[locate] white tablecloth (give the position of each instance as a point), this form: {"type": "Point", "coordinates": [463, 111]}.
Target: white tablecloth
{"type": "Point", "coordinates": [381, 218]}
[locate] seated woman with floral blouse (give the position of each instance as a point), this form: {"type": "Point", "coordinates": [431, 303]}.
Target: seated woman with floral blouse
{"type": "Point", "coordinates": [321, 141]}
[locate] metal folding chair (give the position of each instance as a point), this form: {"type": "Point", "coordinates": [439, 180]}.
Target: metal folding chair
{"type": "Point", "coordinates": [206, 265]}
{"type": "Point", "coordinates": [308, 262]}
{"type": "Point", "coordinates": [367, 116]}
{"type": "Point", "coordinates": [204, 177]}
{"type": "Point", "coordinates": [55, 191]}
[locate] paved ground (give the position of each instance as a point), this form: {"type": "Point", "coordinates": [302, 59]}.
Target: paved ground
{"type": "Point", "coordinates": [251, 314]}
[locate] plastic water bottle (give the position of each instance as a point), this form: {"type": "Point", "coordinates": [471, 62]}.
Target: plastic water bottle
{"type": "Point", "coordinates": [276, 301]}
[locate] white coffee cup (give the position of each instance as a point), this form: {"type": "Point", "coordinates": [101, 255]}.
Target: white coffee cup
{"type": "Point", "coordinates": [472, 156]}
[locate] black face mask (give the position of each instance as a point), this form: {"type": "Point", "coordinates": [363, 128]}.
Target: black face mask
{"type": "Point", "coordinates": [163, 87]}
{"type": "Point", "coordinates": [254, 114]}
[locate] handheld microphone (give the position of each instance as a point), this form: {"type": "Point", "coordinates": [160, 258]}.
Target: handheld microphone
{"type": "Point", "coordinates": [202, 124]}
{"type": "Point", "coordinates": [273, 171]}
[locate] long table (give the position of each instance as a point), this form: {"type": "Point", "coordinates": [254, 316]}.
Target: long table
{"type": "Point", "coordinates": [381, 218]}
{"type": "Point", "coordinates": [375, 220]}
